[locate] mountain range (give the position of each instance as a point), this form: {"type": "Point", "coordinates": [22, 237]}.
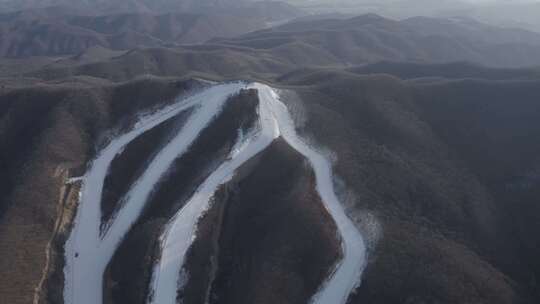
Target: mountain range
{"type": "Point", "coordinates": [63, 30]}
{"type": "Point", "coordinates": [306, 42]}
{"type": "Point", "coordinates": [237, 156]}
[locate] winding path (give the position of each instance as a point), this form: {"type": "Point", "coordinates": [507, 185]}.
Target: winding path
{"type": "Point", "coordinates": [84, 274]}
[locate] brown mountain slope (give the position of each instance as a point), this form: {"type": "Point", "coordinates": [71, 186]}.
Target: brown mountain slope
{"type": "Point", "coordinates": [198, 61]}
{"type": "Point", "coordinates": [25, 35]}
{"type": "Point", "coordinates": [277, 242]}
{"type": "Point", "coordinates": [71, 29]}
{"type": "Point", "coordinates": [454, 70]}
{"type": "Point", "coordinates": [49, 133]}
{"type": "Point", "coordinates": [370, 38]}
{"type": "Point", "coordinates": [440, 165]}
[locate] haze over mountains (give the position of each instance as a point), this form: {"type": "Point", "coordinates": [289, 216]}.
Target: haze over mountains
{"type": "Point", "coordinates": [100, 46]}
{"type": "Point", "coordinates": [512, 13]}
{"type": "Point", "coordinates": [70, 30]}
{"type": "Point", "coordinates": [243, 152]}
{"type": "Point", "coordinates": [104, 6]}
{"type": "Point", "coordinates": [65, 30]}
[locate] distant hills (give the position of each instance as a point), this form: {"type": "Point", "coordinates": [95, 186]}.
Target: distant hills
{"type": "Point", "coordinates": [255, 27]}
{"type": "Point", "coordinates": [512, 13]}
{"type": "Point", "coordinates": [117, 6]}
{"type": "Point", "coordinates": [62, 30]}
{"type": "Point", "coordinates": [519, 14]}
{"type": "Point", "coordinates": [22, 36]}
{"type": "Point", "coordinates": [371, 38]}
{"type": "Point", "coordinates": [154, 43]}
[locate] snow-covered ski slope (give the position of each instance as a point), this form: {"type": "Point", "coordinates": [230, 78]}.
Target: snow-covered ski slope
{"type": "Point", "coordinates": [88, 252]}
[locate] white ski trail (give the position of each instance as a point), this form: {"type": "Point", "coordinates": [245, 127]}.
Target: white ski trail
{"type": "Point", "coordinates": [347, 274]}
{"type": "Point", "coordinates": [180, 232]}
{"type": "Point", "coordinates": [86, 253]}
{"type": "Point", "coordinates": [275, 121]}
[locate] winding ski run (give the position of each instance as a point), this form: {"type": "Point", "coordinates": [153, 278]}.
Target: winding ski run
{"type": "Point", "coordinates": [88, 251]}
